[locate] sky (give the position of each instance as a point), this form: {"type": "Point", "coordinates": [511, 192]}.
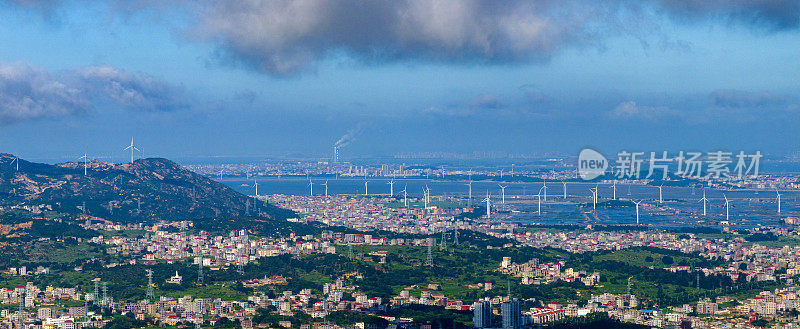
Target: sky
{"type": "Point", "coordinates": [243, 78]}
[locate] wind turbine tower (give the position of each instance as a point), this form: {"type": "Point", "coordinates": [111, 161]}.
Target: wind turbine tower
{"type": "Point", "coordinates": [544, 189]}
{"type": "Point", "coordinates": [326, 188]}
{"type": "Point", "coordinates": [779, 200]}
{"type": "Point", "coordinates": [615, 189]}
{"type": "Point", "coordinates": [565, 189]}
{"type": "Point", "coordinates": [469, 195]}
{"type": "Point", "coordinates": [660, 199]}
{"type": "Point", "coordinates": [391, 186]}
{"type": "Point", "coordinates": [727, 207]}
{"type": "Point", "coordinates": [704, 199]}
{"type": "Point", "coordinates": [488, 201]}
{"type": "Point", "coordinates": [405, 195]}
{"type": "Point", "coordinates": [85, 163]}
{"type": "Point", "coordinates": [15, 161]}
{"type": "Point", "coordinates": [132, 148]}
{"type": "Point", "coordinates": [637, 211]}
{"type": "Point", "coordinates": [539, 201]}
{"type": "Point", "coordinates": [503, 193]}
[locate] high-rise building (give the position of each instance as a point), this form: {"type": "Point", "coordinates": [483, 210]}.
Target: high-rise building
{"type": "Point", "coordinates": [482, 316]}
{"type": "Point", "coordinates": [511, 314]}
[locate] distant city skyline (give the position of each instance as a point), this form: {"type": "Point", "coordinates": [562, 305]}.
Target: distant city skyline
{"type": "Point", "coordinates": [241, 79]}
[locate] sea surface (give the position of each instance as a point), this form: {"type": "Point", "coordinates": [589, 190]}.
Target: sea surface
{"type": "Point", "coordinates": [681, 206]}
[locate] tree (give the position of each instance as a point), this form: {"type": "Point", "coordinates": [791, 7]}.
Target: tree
{"type": "Point", "coordinates": [667, 260]}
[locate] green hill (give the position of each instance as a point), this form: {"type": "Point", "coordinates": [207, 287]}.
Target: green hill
{"type": "Point", "coordinates": [143, 191]}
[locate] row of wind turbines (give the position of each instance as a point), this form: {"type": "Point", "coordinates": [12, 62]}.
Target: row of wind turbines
{"type": "Point", "coordinates": [85, 158]}
{"type": "Point", "coordinates": [541, 196]}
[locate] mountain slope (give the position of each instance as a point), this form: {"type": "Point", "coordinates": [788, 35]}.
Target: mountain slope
{"type": "Point", "coordinates": [146, 190]}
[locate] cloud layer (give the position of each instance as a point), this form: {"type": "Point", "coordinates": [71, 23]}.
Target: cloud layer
{"type": "Point", "coordinates": [29, 93]}
{"type": "Point", "coordinates": [287, 37]}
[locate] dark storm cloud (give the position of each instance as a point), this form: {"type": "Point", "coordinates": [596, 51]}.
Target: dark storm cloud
{"type": "Point", "coordinates": [287, 37]}
{"type": "Point", "coordinates": [770, 14]}
{"type": "Point", "coordinates": [29, 93]}
{"type": "Point", "coordinates": [745, 99]}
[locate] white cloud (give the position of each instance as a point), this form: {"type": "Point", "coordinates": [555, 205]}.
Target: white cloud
{"type": "Point", "coordinates": [30, 93]}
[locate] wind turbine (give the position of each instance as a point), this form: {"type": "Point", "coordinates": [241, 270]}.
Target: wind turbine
{"type": "Point", "coordinates": [326, 188]}
{"type": "Point", "coordinates": [503, 192]}
{"type": "Point", "coordinates": [16, 160]}
{"type": "Point", "coordinates": [469, 198]}
{"type": "Point", "coordinates": [565, 189]}
{"type": "Point", "coordinates": [779, 200]}
{"type": "Point", "coordinates": [425, 196]}
{"type": "Point", "coordinates": [544, 187]}
{"type": "Point", "coordinates": [366, 187]}
{"type": "Point", "coordinates": [391, 187]}
{"type": "Point", "coordinates": [594, 198]}
{"type": "Point", "coordinates": [311, 185]}
{"type": "Point", "coordinates": [132, 148]}
{"type": "Point", "coordinates": [615, 189]}
{"type": "Point", "coordinates": [255, 185]}
{"type": "Point", "coordinates": [85, 165]}
{"type": "Point", "coordinates": [539, 201]}
{"type": "Point", "coordinates": [637, 211]}
{"type": "Point", "coordinates": [727, 207]}
{"type": "Point", "coordinates": [704, 199]}
{"type": "Point", "coordinates": [660, 199]}
{"type": "Point", "coordinates": [405, 195]}
{"type": "Point", "coordinates": [488, 205]}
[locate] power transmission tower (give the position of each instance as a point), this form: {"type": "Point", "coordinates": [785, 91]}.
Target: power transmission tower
{"type": "Point", "coordinates": [508, 281]}
{"type": "Point", "coordinates": [350, 254]}
{"type": "Point", "coordinates": [430, 255]}
{"type": "Point", "coordinates": [698, 281]}
{"type": "Point", "coordinates": [200, 271]}
{"type": "Point", "coordinates": [161, 314]}
{"type": "Point", "coordinates": [455, 240]}
{"type": "Point", "coordinates": [150, 294]}
{"type": "Point", "coordinates": [443, 245]}
{"type": "Point", "coordinates": [96, 291]}
{"type": "Point", "coordinates": [21, 309]}
{"type": "Point", "coordinates": [629, 286]}
{"type": "Point", "coordinates": [105, 294]}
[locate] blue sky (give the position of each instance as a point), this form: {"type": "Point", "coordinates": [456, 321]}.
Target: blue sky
{"type": "Point", "coordinates": [241, 78]}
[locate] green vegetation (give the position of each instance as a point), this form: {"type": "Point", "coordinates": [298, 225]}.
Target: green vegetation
{"type": "Point", "coordinates": [653, 257]}
{"type": "Point", "coordinates": [166, 190]}
{"type": "Point", "coordinates": [594, 321]}
{"type": "Point", "coordinates": [438, 316]}
{"type": "Point", "coordinates": [265, 316]}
